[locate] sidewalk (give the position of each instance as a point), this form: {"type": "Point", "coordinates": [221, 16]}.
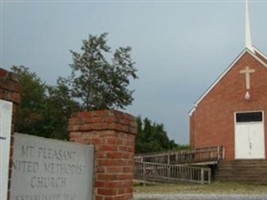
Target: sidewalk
{"type": "Point", "coordinates": [142, 196]}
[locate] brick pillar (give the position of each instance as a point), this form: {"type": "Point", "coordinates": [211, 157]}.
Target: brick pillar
{"type": "Point", "coordinates": [113, 135]}
{"type": "Point", "coordinates": [10, 91]}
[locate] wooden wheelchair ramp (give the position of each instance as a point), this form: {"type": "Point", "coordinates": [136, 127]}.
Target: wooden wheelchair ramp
{"type": "Point", "coordinates": [171, 173]}
{"type": "Point", "coordinates": [176, 166]}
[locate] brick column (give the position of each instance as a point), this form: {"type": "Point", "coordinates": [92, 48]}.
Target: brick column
{"type": "Point", "coordinates": [113, 135]}
{"type": "Point", "coordinates": [10, 91]}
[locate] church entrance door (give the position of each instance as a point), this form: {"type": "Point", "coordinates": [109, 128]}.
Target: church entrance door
{"type": "Point", "coordinates": [249, 136]}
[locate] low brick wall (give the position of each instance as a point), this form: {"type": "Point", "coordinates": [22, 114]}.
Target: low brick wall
{"type": "Point", "coordinates": [113, 135]}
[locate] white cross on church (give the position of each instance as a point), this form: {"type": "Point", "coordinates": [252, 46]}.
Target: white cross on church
{"type": "Point", "coordinates": [247, 71]}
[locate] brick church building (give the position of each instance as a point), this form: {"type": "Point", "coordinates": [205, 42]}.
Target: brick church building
{"type": "Point", "coordinates": [231, 113]}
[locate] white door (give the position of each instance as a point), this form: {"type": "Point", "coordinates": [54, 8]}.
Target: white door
{"type": "Point", "coordinates": [249, 140]}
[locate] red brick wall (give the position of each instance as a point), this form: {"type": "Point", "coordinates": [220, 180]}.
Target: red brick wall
{"type": "Point", "coordinates": [113, 135]}
{"type": "Point", "coordinates": [212, 123]}
{"type": "Point", "coordinates": [10, 91]}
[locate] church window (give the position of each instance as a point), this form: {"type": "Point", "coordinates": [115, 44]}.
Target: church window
{"type": "Point", "coordinates": [249, 117]}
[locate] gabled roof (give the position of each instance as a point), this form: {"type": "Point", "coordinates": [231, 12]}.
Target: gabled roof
{"type": "Point", "coordinates": [261, 55]}
{"type": "Point", "coordinates": [256, 54]}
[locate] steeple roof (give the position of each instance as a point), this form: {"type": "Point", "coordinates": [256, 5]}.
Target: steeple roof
{"type": "Point", "coordinates": [249, 48]}
{"type": "Point", "coordinates": [248, 41]}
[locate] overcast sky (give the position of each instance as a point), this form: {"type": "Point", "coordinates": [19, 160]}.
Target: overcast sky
{"type": "Point", "coordinates": [180, 47]}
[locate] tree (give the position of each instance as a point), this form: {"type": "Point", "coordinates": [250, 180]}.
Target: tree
{"type": "Point", "coordinates": [31, 107]}
{"type": "Point", "coordinates": [97, 82]}
{"type": "Point", "coordinates": [94, 82]}
{"type": "Point", "coordinates": [59, 107]}
{"type": "Point", "coordinates": [151, 137]}
{"type": "Point", "coordinates": [44, 110]}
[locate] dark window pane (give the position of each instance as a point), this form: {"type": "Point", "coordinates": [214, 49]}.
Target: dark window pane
{"type": "Point", "coordinates": [249, 117]}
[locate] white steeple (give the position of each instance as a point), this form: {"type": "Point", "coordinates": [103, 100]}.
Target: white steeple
{"type": "Point", "coordinates": [248, 31]}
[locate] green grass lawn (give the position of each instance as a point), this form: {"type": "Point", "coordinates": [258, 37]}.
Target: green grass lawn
{"type": "Point", "coordinates": [214, 187]}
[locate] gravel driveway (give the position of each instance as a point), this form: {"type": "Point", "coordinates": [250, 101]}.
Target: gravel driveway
{"type": "Point", "coordinates": [198, 197]}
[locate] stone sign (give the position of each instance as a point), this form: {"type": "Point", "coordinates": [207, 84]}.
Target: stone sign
{"type": "Point", "coordinates": [5, 133]}
{"type": "Point", "coordinates": [46, 169]}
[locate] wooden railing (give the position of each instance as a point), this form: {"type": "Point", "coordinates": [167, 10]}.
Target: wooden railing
{"type": "Point", "coordinates": [171, 173]}
{"type": "Point", "coordinates": [209, 155]}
